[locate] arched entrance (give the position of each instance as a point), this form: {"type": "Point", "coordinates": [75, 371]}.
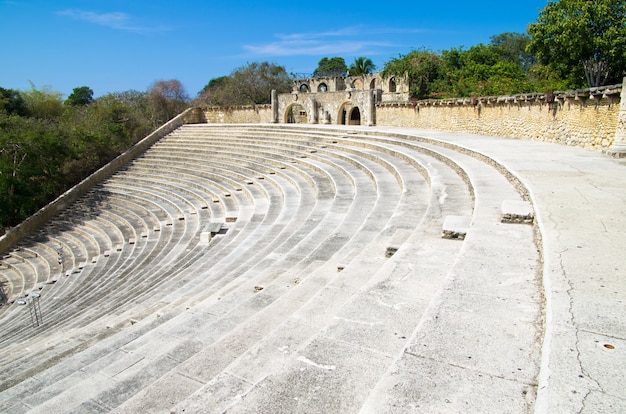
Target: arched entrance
{"type": "Point", "coordinates": [355, 116]}
{"type": "Point", "coordinates": [296, 114]}
{"type": "Point", "coordinates": [349, 115]}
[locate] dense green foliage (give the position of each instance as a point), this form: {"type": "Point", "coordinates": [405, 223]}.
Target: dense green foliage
{"type": "Point", "coordinates": [251, 84]}
{"type": "Point", "coordinates": [361, 66]}
{"type": "Point", "coordinates": [80, 96]}
{"type": "Point", "coordinates": [582, 40]}
{"type": "Point", "coordinates": [328, 68]}
{"type": "Point", "coordinates": [47, 145]}
{"type": "Point", "coordinates": [573, 44]}
{"type": "Point", "coordinates": [498, 68]}
{"type": "Point", "coordinates": [11, 102]}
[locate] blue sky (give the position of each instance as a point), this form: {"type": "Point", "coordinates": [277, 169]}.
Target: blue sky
{"type": "Point", "coordinates": [114, 45]}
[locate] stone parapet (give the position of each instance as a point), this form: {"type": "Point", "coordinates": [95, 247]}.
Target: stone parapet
{"type": "Point", "coordinates": [586, 118]}
{"type": "Point", "coordinates": [247, 114]}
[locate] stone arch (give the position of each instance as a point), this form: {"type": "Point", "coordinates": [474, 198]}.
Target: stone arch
{"type": "Point", "coordinates": [322, 87]}
{"type": "Point", "coordinates": [304, 88]}
{"type": "Point", "coordinates": [357, 84]}
{"type": "Point", "coordinates": [349, 114]}
{"type": "Point", "coordinates": [373, 84]}
{"type": "Point", "coordinates": [392, 85]}
{"type": "Point", "coordinates": [355, 116]}
{"type": "Point", "coordinates": [296, 114]}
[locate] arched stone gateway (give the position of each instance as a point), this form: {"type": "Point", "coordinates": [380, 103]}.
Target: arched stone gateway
{"type": "Point", "coordinates": [355, 116]}
{"type": "Point", "coordinates": [350, 100]}
{"type": "Point", "coordinates": [296, 114]}
{"type": "Point", "coordinates": [349, 114]}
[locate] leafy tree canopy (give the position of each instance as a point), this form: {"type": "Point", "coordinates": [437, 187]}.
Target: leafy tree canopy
{"type": "Point", "coordinates": [80, 96]}
{"type": "Point", "coordinates": [248, 85]}
{"type": "Point", "coordinates": [167, 98]}
{"type": "Point", "coordinates": [43, 152]}
{"type": "Point", "coordinates": [43, 103]}
{"type": "Point", "coordinates": [328, 68]}
{"type": "Point", "coordinates": [361, 66]}
{"type": "Point", "coordinates": [582, 39]}
{"type": "Point", "coordinates": [11, 102]}
{"type": "Point", "coordinates": [420, 67]}
{"type": "Point", "coordinates": [513, 48]}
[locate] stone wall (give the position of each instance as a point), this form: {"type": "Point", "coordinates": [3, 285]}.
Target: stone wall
{"type": "Point", "coordinates": [250, 114]}
{"type": "Point", "coordinates": [327, 107]}
{"type": "Point", "coordinates": [584, 120]}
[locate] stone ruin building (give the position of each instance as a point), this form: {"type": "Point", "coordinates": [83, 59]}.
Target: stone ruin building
{"type": "Point", "coordinates": [349, 100]}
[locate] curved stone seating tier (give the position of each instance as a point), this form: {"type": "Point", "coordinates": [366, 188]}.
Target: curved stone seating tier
{"type": "Point", "coordinates": [320, 235]}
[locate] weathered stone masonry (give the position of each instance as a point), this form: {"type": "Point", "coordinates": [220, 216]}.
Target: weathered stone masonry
{"type": "Point", "coordinates": [584, 121]}
{"type": "Point", "coordinates": [588, 118]}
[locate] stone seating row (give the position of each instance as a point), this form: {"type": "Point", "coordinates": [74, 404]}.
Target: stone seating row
{"type": "Point", "coordinates": [278, 400]}
{"type": "Point", "coordinates": [262, 395]}
{"type": "Point", "coordinates": [327, 230]}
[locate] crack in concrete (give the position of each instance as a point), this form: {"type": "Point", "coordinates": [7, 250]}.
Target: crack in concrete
{"type": "Point", "coordinates": [583, 403]}
{"type": "Point", "coordinates": [572, 320]}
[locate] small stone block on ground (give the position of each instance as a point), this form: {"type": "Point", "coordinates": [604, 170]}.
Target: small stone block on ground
{"type": "Point", "coordinates": [517, 211]}
{"type": "Point", "coordinates": [455, 227]}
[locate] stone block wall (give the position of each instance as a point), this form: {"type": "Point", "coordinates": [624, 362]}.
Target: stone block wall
{"type": "Point", "coordinates": [250, 114]}
{"type": "Point", "coordinates": [584, 122]}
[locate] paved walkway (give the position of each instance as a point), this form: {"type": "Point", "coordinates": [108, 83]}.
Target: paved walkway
{"type": "Point", "coordinates": [580, 202]}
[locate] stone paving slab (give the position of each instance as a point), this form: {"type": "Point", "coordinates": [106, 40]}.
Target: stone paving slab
{"type": "Point", "coordinates": [418, 384]}
{"type": "Point", "coordinates": [579, 198]}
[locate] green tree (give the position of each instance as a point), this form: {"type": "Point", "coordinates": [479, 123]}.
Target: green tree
{"type": "Point", "coordinates": [43, 103]}
{"type": "Point", "coordinates": [97, 133]}
{"type": "Point", "coordinates": [32, 151]}
{"type": "Point", "coordinates": [328, 68]}
{"type": "Point", "coordinates": [166, 98]}
{"type": "Point", "coordinates": [11, 102]}
{"type": "Point", "coordinates": [214, 91]}
{"type": "Point", "coordinates": [582, 39]}
{"type": "Point", "coordinates": [513, 48]}
{"type": "Point", "coordinates": [80, 96]}
{"type": "Point", "coordinates": [361, 66]}
{"type": "Point", "coordinates": [481, 70]}
{"type": "Point", "coordinates": [248, 85]}
{"type": "Point", "coordinates": [420, 67]}
{"type": "Point", "coordinates": [42, 155]}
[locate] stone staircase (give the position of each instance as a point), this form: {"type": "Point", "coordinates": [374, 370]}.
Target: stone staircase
{"type": "Point", "coordinates": [327, 288]}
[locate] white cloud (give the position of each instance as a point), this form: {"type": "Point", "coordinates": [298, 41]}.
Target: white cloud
{"type": "Point", "coordinates": [113, 20]}
{"type": "Point", "coordinates": [349, 40]}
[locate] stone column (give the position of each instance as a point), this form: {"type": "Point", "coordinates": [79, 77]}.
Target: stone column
{"type": "Point", "coordinates": [314, 111]}
{"type": "Point", "coordinates": [371, 113]}
{"type": "Point", "coordinates": [618, 149]}
{"type": "Point", "coordinates": [274, 106]}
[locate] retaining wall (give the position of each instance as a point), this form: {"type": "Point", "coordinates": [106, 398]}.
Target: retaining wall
{"type": "Point", "coordinates": [587, 123]}
{"type": "Point", "coordinates": [249, 114]}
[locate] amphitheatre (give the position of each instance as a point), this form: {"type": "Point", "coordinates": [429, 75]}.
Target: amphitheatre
{"type": "Point", "coordinates": [342, 250]}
